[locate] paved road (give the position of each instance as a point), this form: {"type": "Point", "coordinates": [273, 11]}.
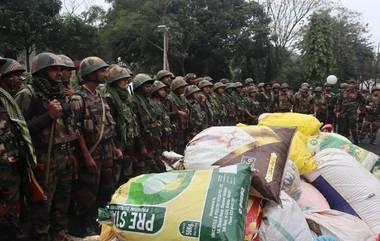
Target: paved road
{"type": "Point", "coordinates": [370, 147]}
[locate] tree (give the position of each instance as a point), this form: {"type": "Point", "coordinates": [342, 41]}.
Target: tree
{"type": "Point", "coordinates": [318, 47]}
{"type": "Point", "coordinates": [27, 24]}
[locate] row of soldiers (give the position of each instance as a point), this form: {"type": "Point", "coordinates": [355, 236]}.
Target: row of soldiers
{"type": "Point", "coordinates": [63, 147]}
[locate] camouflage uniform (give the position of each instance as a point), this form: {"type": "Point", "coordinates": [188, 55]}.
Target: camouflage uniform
{"type": "Point", "coordinates": [97, 127]}
{"type": "Point", "coordinates": [253, 106]}
{"type": "Point", "coordinates": [211, 105]}
{"type": "Point", "coordinates": [276, 97]}
{"type": "Point", "coordinates": [52, 140]}
{"type": "Point", "coordinates": [266, 99]}
{"type": "Point", "coordinates": [160, 113]}
{"type": "Point", "coordinates": [127, 128]}
{"type": "Point", "coordinates": [230, 105]}
{"type": "Point", "coordinates": [178, 103]}
{"type": "Point", "coordinates": [221, 103]}
{"type": "Point", "coordinates": [197, 116]}
{"type": "Point", "coordinates": [304, 104]}
{"type": "Point", "coordinates": [320, 105]}
{"type": "Point", "coordinates": [285, 99]}
{"type": "Point", "coordinates": [239, 103]}
{"type": "Point", "coordinates": [330, 99]}
{"type": "Point", "coordinates": [348, 105]}
{"type": "Point", "coordinates": [371, 123]}
{"type": "Point", "coordinates": [150, 126]}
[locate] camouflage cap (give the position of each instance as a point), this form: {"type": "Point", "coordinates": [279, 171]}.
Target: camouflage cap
{"type": "Point", "coordinates": [115, 73]}
{"type": "Point", "coordinates": [90, 65]}
{"type": "Point", "coordinates": [69, 64]}
{"type": "Point", "coordinates": [177, 83]}
{"type": "Point", "coordinates": [267, 84]}
{"type": "Point", "coordinates": [276, 86]}
{"type": "Point", "coordinates": [305, 84]}
{"type": "Point", "coordinates": [318, 89]}
{"type": "Point", "coordinates": [163, 73]}
{"type": "Point", "coordinates": [248, 81]}
{"type": "Point", "coordinates": [44, 60]}
{"type": "Point", "coordinates": [284, 86]}
{"type": "Point", "coordinates": [252, 89]}
{"type": "Point", "coordinates": [208, 78]}
{"type": "Point", "coordinates": [238, 84]}
{"type": "Point", "coordinates": [191, 89]}
{"type": "Point", "coordinates": [343, 85]}
{"type": "Point", "coordinates": [304, 89]}
{"type": "Point", "coordinates": [204, 83]}
{"type": "Point", "coordinates": [156, 86]}
{"type": "Point", "coordinates": [141, 79]}
{"type": "Point", "coordinates": [218, 85]}
{"type": "Point", "coordinates": [375, 88]}
{"type": "Point", "coordinates": [11, 66]}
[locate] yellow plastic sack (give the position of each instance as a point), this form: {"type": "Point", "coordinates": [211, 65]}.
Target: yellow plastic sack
{"type": "Point", "coordinates": [300, 154]}
{"type": "Point", "coordinates": [179, 206]}
{"type": "Point", "coordinates": [306, 124]}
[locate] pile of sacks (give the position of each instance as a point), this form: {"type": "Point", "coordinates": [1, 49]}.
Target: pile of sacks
{"type": "Point", "coordinates": [280, 180]}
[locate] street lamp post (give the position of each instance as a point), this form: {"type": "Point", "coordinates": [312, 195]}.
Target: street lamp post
{"type": "Point", "coordinates": [165, 30]}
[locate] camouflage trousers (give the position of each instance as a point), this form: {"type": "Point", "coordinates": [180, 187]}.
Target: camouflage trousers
{"type": "Point", "coordinates": [348, 125]}
{"type": "Point", "coordinates": [52, 214]}
{"type": "Point", "coordinates": [9, 200]}
{"type": "Point", "coordinates": [179, 141]}
{"type": "Point", "coordinates": [369, 128]}
{"type": "Point", "coordinates": [95, 188]}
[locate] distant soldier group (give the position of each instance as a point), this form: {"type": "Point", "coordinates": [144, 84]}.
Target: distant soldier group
{"type": "Point", "coordinates": [68, 148]}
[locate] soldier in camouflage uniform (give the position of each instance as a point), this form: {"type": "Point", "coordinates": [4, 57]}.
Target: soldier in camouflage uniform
{"type": "Point", "coordinates": [266, 98]}
{"type": "Point", "coordinates": [180, 119]}
{"type": "Point", "coordinates": [67, 71]}
{"type": "Point", "coordinates": [241, 109]}
{"type": "Point", "coordinates": [254, 109]}
{"type": "Point", "coordinates": [211, 105]}
{"type": "Point", "coordinates": [248, 82]}
{"type": "Point", "coordinates": [16, 150]}
{"type": "Point", "coordinates": [158, 93]}
{"type": "Point", "coordinates": [371, 123]}
{"type": "Point", "coordinates": [349, 104]}
{"type": "Point", "coordinates": [150, 126]}
{"type": "Point", "coordinates": [224, 81]}
{"type": "Point", "coordinates": [304, 102]}
{"type": "Point", "coordinates": [285, 99]}
{"type": "Point", "coordinates": [330, 99]}
{"type": "Point", "coordinates": [191, 78]}
{"type": "Point", "coordinates": [165, 77]}
{"type": "Point", "coordinates": [276, 96]}
{"type": "Point", "coordinates": [128, 136]}
{"type": "Point", "coordinates": [230, 104]}
{"type": "Point", "coordinates": [197, 115]}
{"type": "Point", "coordinates": [260, 88]}
{"type": "Point", "coordinates": [320, 105]}
{"type": "Point", "coordinates": [220, 97]}
{"type": "Point", "coordinates": [52, 127]}
{"type": "Point", "coordinates": [97, 148]}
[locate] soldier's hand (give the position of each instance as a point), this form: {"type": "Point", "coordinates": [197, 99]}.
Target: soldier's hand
{"type": "Point", "coordinates": [90, 164]}
{"type": "Point", "coordinates": [183, 114]}
{"type": "Point", "coordinates": [117, 154]}
{"type": "Point", "coordinates": [69, 91]}
{"type": "Point", "coordinates": [54, 109]}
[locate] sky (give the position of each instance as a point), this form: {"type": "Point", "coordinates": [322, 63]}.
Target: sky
{"type": "Point", "coordinates": [368, 8]}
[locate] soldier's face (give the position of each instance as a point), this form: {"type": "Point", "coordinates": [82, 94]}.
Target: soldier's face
{"type": "Point", "coordinates": [147, 88]}
{"type": "Point", "coordinates": [180, 90]}
{"type": "Point", "coordinates": [328, 88]}
{"type": "Point", "coordinates": [12, 82]}
{"type": "Point", "coordinates": [276, 90]}
{"type": "Point", "coordinates": [253, 94]}
{"type": "Point", "coordinates": [239, 90]}
{"type": "Point", "coordinates": [122, 83]}
{"type": "Point", "coordinates": [267, 88]}
{"type": "Point", "coordinates": [206, 90]}
{"type": "Point", "coordinates": [220, 90]}
{"type": "Point", "coordinates": [376, 93]}
{"type": "Point", "coordinates": [101, 75]}
{"type": "Point", "coordinates": [250, 84]}
{"type": "Point", "coordinates": [304, 93]}
{"type": "Point", "coordinates": [162, 93]}
{"type": "Point", "coordinates": [285, 90]}
{"type": "Point", "coordinates": [54, 73]}
{"type": "Point", "coordinates": [66, 74]}
{"type": "Point", "coordinates": [317, 93]}
{"type": "Point", "coordinates": [167, 80]}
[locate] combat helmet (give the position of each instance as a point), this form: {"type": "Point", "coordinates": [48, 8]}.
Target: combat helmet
{"type": "Point", "coordinates": [163, 73]}
{"type": "Point", "coordinates": [230, 86]}
{"type": "Point", "coordinates": [190, 76]}
{"type": "Point", "coordinates": [276, 86]}
{"type": "Point", "coordinates": [260, 85]}
{"type": "Point", "coordinates": [208, 78]}
{"type": "Point", "coordinates": [224, 81]}
{"type": "Point", "coordinates": [115, 73]}
{"type": "Point", "coordinates": [177, 83]}
{"type": "Point", "coordinates": [318, 89]}
{"type": "Point", "coordinates": [238, 85]}
{"type": "Point", "coordinates": [11, 66]}
{"type": "Point", "coordinates": [204, 83]}
{"type": "Point", "coordinates": [44, 60]}
{"type": "Point", "coordinates": [218, 85]}
{"type": "Point", "coordinates": [156, 86]}
{"type": "Point", "coordinates": [248, 81]}
{"type": "Point", "coordinates": [191, 89]}
{"type": "Point", "coordinates": [90, 65]}
{"type": "Point", "coordinates": [343, 85]}
{"type": "Point", "coordinates": [141, 79]}
{"type": "Point", "coordinates": [69, 64]}
{"type": "Point", "coordinates": [252, 89]}
{"type": "Point", "coordinates": [375, 88]}
{"type": "Point", "coordinates": [305, 84]}
{"type": "Point", "coordinates": [284, 86]}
